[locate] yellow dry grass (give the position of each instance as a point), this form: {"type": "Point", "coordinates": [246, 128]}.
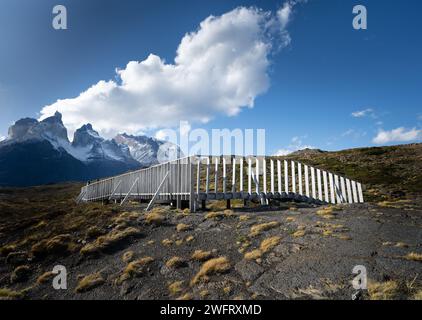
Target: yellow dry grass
{"type": "Point", "coordinates": [299, 233]}
{"type": "Point", "coordinates": [253, 255]}
{"type": "Point", "coordinates": [290, 219]}
{"type": "Point", "coordinates": [186, 296]}
{"type": "Point", "coordinates": [413, 256]}
{"type": "Point", "coordinates": [135, 268]}
{"type": "Point", "coordinates": [212, 266]}
{"type": "Point", "coordinates": [175, 262]}
{"type": "Point", "coordinates": [244, 217]}
{"type": "Point", "coordinates": [127, 256]}
{"type": "Point", "coordinates": [45, 277]}
{"type": "Point", "coordinates": [201, 255]}
{"type": "Point", "coordinates": [259, 228]}
{"type": "Point", "coordinates": [154, 217]}
{"type": "Point", "coordinates": [89, 282]}
{"type": "Point", "coordinates": [382, 290]}
{"type": "Point", "coordinates": [269, 243]}
{"type": "Point", "coordinates": [9, 294]}
{"type": "Point", "coordinates": [182, 227]}
{"type": "Point", "coordinates": [59, 244]}
{"type": "Point", "coordinates": [167, 242]}
{"type": "Point", "coordinates": [176, 287]}
{"type": "Point", "coordinates": [189, 238]}
{"type": "Point", "coordinates": [108, 240]}
{"type": "Point", "coordinates": [214, 215]}
{"type": "Point", "coordinates": [418, 295]}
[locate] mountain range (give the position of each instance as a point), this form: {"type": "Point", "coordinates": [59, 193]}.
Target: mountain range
{"type": "Point", "coordinates": [39, 152]}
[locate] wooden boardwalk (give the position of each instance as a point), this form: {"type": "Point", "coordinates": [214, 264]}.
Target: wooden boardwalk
{"type": "Point", "coordinates": [199, 179]}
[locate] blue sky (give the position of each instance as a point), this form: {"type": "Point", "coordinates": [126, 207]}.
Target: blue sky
{"type": "Point", "coordinates": [328, 71]}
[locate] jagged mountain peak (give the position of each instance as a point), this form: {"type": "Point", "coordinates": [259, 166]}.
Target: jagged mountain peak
{"type": "Point", "coordinates": [148, 150]}
{"type": "Point", "coordinates": [86, 136]}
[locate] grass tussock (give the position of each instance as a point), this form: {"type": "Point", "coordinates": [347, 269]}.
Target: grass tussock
{"type": "Point", "coordinates": [265, 246]}
{"type": "Point", "coordinates": [413, 256]}
{"type": "Point", "coordinates": [299, 233]}
{"type": "Point", "coordinates": [45, 277]}
{"type": "Point", "coordinates": [107, 241]}
{"type": "Point", "coordinates": [89, 282]}
{"type": "Point", "coordinates": [135, 268]}
{"type": "Point", "coordinates": [176, 288]}
{"type": "Point", "coordinates": [167, 242]}
{"type": "Point", "coordinates": [382, 290]}
{"type": "Point", "coordinates": [155, 218]}
{"type": "Point", "coordinates": [60, 244]}
{"type": "Point", "coordinates": [94, 232]}
{"type": "Point", "coordinates": [127, 256]}
{"type": "Point", "coordinates": [253, 255]}
{"type": "Point", "coordinates": [201, 255]}
{"type": "Point", "coordinates": [418, 295]}
{"type": "Point", "coordinates": [212, 266]}
{"type": "Point", "coordinates": [189, 238]}
{"type": "Point", "coordinates": [186, 296]}
{"type": "Point", "coordinates": [183, 227]}
{"type": "Point", "coordinates": [214, 215]}
{"type": "Point", "coordinates": [290, 219]}
{"type": "Point", "coordinates": [269, 243]}
{"type": "Point", "coordinates": [20, 274]}
{"type": "Point", "coordinates": [175, 262]}
{"type": "Point", "coordinates": [6, 249]}
{"type": "Point", "coordinates": [259, 228]}
{"type": "Point", "coordinates": [8, 294]}
{"type": "Point", "coordinates": [328, 212]}
{"type": "Point", "coordinates": [244, 217]}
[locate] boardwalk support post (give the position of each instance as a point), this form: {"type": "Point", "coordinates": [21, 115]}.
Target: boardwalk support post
{"type": "Point", "coordinates": [129, 192]}
{"type": "Point", "coordinates": [157, 192]}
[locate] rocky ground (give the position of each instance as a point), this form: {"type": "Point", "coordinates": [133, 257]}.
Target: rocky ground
{"type": "Point", "coordinates": [284, 251]}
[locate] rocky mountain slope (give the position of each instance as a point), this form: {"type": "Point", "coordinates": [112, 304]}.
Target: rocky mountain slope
{"type": "Point", "coordinates": [39, 152]}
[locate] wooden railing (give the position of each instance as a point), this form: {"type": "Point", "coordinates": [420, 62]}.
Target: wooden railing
{"type": "Point", "coordinates": [203, 178]}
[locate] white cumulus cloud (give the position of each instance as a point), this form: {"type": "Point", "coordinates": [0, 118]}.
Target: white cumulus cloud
{"type": "Point", "coordinates": [397, 135]}
{"type": "Point", "coordinates": [218, 69]}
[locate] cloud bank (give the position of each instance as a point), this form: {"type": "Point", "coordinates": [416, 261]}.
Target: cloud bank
{"type": "Point", "coordinates": [219, 69]}
{"type": "Point", "coordinates": [397, 135]}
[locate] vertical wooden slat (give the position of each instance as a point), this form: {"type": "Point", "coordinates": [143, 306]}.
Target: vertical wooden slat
{"type": "Point", "coordinates": [319, 184]}
{"type": "Point", "coordinates": [337, 188]}
{"type": "Point", "coordinates": [264, 175]}
{"type": "Point", "coordinates": [360, 193]}
{"type": "Point", "coordinates": [249, 175]}
{"type": "Point", "coordinates": [234, 174]}
{"type": "Point", "coordinates": [355, 192]}
{"type": "Point", "coordinates": [349, 191]}
{"type": "Point", "coordinates": [293, 177]}
{"type": "Point", "coordinates": [257, 175]}
{"type": "Point", "coordinates": [198, 176]}
{"type": "Point", "coordinates": [207, 182]}
{"type": "Point", "coordinates": [299, 172]}
{"type": "Point", "coordinates": [324, 178]}
{"type": "Point", "coordinates": [343, 190]}
{"type": "Point", "coordinates": [217, 160]}
{"type": "Point", "coordinates": [224, 175]}
{"type": "Point", "coordinates": [313, 182]}
{"type": "Point", "coordinates": [332, 189]}
{"type": "Point", "coordinates": [279, 175]}
{"type": "Point", "coordinates": [307, 181]}
{"type": "Point", "coordinates": [241, 174]}
{"type": "Point", "coordinates": [272, 175]}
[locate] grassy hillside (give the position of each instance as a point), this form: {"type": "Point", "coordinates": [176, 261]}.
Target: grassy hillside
{"type": "Point", "coordinates": [386, 172]}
